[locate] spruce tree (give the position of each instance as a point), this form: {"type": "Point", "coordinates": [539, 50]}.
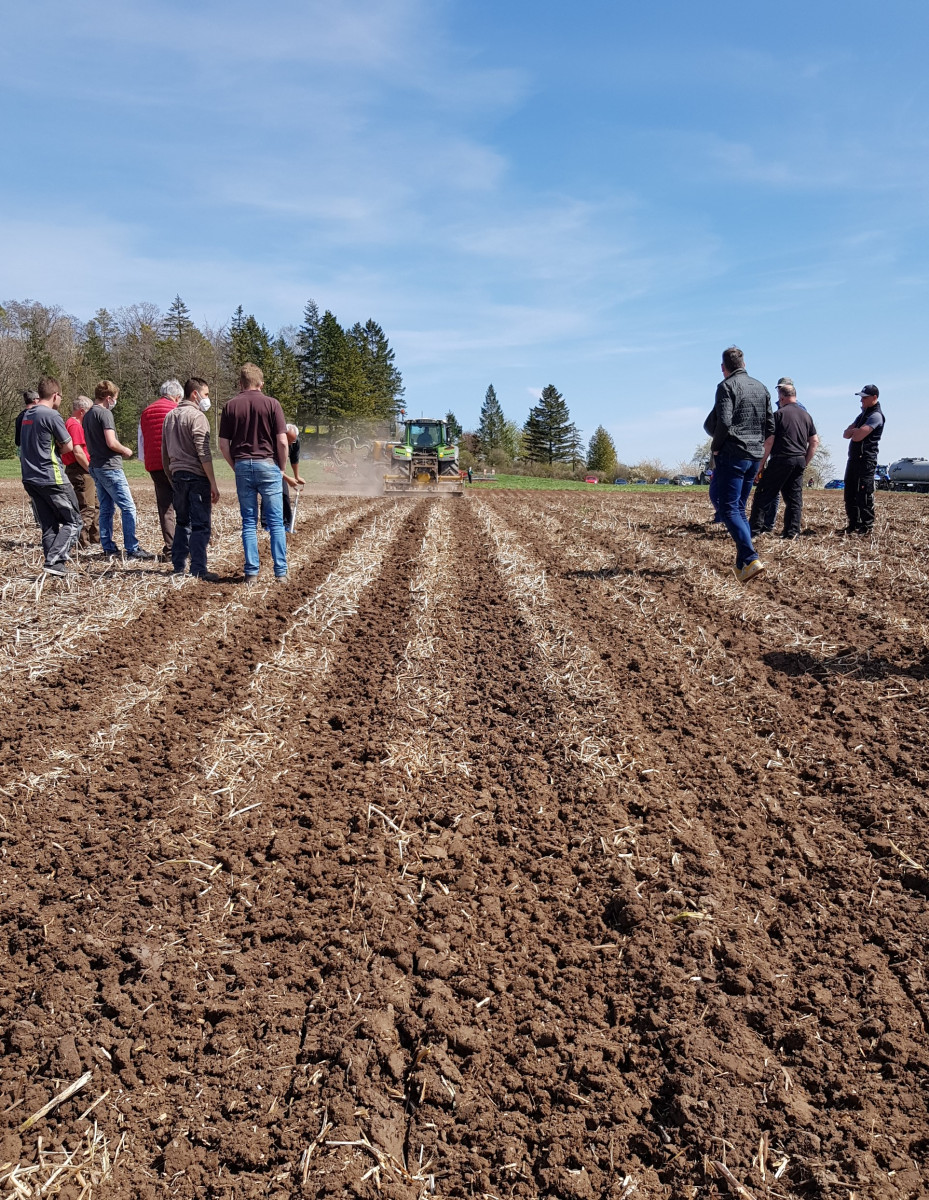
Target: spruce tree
{"type": "Point", "coordinates": [601, 453]}
{"type": "Point", "coordinates": [548, 435]}
{"type": "Point", "coordinates": [384, 383]}
{"type": "Point", "coordinates": [345, 383]}
{"type": "Point", "coordinates": [454, 428]}
{"type": "Point", "coordinates": [312, 398]}
{"type": "Point", "coordinates": [177, 322]}
{"type": "Point", "coordinates": [490, 430]}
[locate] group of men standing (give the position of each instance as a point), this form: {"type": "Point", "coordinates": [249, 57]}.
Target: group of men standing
{"type": "Point", "coordinates": [67, 469]}
{"type": "Point", "coordinates": [748, 436]}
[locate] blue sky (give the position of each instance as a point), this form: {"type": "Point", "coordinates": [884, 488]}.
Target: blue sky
{"type": "Point", "coordinates": [600, 196]}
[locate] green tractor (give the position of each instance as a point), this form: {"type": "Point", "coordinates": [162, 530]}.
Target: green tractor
{"type": "Point", "coordinates": [423, 460]}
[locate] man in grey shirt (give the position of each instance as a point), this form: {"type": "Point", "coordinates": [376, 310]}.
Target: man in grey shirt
{"type": "Point", "coordinates": [742, 419]}
{"type": "Point", "coordinates": [44, 477]}
{"type": "Point", "coordinates": [106, 453]}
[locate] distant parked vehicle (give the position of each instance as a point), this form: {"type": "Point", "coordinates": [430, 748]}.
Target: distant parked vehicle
{"type": "Point", "coordinates": [836, 483]}
{"type": "Point", "coordinates": [684, 480]}
{"type": "Point", "coordinates": [620, 480]}
{"type": "Point", "coordinates": [662, 482]}
{"type": "Point", "coordinates": [640, 481]}
{"type": "Point", "coordinates": [591, 479]}
{"type": "Point", "coordinates": [705, 477]}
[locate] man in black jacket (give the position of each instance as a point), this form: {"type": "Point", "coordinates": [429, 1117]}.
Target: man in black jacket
{"type": "Point", "coordinates": [742, 419]}
{"type": "Point", "coordinates": [864, 434]}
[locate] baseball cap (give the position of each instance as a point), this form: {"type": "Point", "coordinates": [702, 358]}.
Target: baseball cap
{"type": "Point", "coordinates": [869, 389]}
{"type": "Point", "coordinates": [787, 382]}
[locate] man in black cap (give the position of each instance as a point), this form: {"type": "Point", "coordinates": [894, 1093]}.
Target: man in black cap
{"type": "Point", "coordinates": [864, 434]}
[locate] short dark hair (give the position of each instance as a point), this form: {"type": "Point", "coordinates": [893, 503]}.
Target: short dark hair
{"type": "Point", "coordinates": [194, 384]}
{"type": "Point", "coordinates": [733, 358]}
{"type": "Point", "coordinates": [48, 387]}
{"type": "Point", "coordinates": [30, 395]}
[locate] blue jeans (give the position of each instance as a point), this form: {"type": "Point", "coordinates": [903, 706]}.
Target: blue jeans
{"type": "Point", "coordinates": [113, 492]}
{"type": "Point", "coordinates": [735, 486]}
{"type": "Point", "coordinates": [256, 477]}
{"type": "Point", "coordinates": [193, 511]}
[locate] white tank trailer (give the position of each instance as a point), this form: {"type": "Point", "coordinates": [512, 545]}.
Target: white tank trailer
{"type": "Point", "coordinates": [909, 475]}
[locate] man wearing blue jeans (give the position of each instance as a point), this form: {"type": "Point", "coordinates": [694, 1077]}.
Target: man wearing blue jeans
{"type": "Point", "coordinates": [106, 453]}
{"type": "Point", "coordinates": [742, 419]}
{"type": "Point", "coordinates": [253, 441]}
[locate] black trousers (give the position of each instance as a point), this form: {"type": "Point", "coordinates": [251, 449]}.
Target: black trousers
{"type": "Point", "coordinates": [859, 496]}
{"type": "Point", "coordinates": [60, 518]}
{"type": "Point", "coordinates": [783, 476]}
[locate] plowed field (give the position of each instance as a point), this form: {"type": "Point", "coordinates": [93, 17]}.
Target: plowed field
{"type": "Point", "coordinates": [510, 848]}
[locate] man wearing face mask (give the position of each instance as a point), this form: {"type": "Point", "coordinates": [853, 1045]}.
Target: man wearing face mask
{"type": "Point", "coordinates": [150, 425]}
{"type": "Point", "coordinates": [106, 453]}
{"type": "Point", "coordinates": [186, 459]}
{"type": "Point", "coordinates": [44, 476]}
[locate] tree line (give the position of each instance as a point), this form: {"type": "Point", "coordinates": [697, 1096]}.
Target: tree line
{"type": "Point", "coordinates": [548, 442]}
{"type": "Point", "coordinates": [321, 372]}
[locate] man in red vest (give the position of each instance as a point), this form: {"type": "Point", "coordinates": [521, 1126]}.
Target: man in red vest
{"type": "Point", "coordinates": [150, 426]}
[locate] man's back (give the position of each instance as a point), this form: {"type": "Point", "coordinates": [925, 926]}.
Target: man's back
{"type": "Point", "coordinates": [743, 415]}
{"type": "Point", "coordinates": [39, 461]}
{"type": "Point", "coordinates": [151, 423]}
{"type": "Point", "coordinates": [251, 422]}
{"type": "Point", "coordinates": [97, 421]}
{"type": "Point", "coordinates": [793, 428]}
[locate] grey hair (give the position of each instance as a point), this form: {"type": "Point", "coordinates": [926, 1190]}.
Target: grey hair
{"type": "Point", "coordinates": [172, 388]}
{"type": "Point", "coordinates": [292, 429]}
{"type": "Point", "coordinates": [83, 403]}
{"type": "Point", "coordinates": [30, 395]}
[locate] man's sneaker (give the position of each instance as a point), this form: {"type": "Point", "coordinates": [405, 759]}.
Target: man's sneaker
{"type": "Point", "coordinates": [141, 555]}
{"type": "Point", "coordinates": [281, 578]}
{"type": "Point", "coordinates": [251, 581]}
{"type": "Point", "coordinates": [206, 576]}
{"type": "Point", "coordinates": [750, 570]}
{"type": "Point", "coordinates": [57, 568]}
{"type": "Point", "coordinates": [109, 554]}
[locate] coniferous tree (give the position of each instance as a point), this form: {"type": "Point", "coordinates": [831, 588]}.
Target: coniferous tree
{"type": "Point", "coordinates": [490, 430]}
{"type": "Point", "coordinates": [345, 383]}
{"type": "Point", "coordinates": [548, 435]}
{"type": "Point", "coordinates": [177, 320]}
{"type": "Point", "coordinates": [454, 428]}
{"type": "Point", "coordinates": [383, 381]}
{"type": "Point", "coordinates": [601, 453]}
{"type": "Point", "coordinates": [312, 397]}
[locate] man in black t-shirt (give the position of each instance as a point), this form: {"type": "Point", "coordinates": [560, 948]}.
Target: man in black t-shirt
{"type": "Point", "coordinates": [44, 478]}
{"type": "Point", "coordinates": [787, 454]}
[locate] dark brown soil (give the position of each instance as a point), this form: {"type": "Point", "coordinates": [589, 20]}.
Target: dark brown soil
{"type": "Point", "coordinates": [565, 985]}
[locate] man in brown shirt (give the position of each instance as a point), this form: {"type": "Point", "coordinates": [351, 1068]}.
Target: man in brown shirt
{"type": "Point", "coordinates": [187, 461]}
{"type": "Point", "coordinates": [253, 441]}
